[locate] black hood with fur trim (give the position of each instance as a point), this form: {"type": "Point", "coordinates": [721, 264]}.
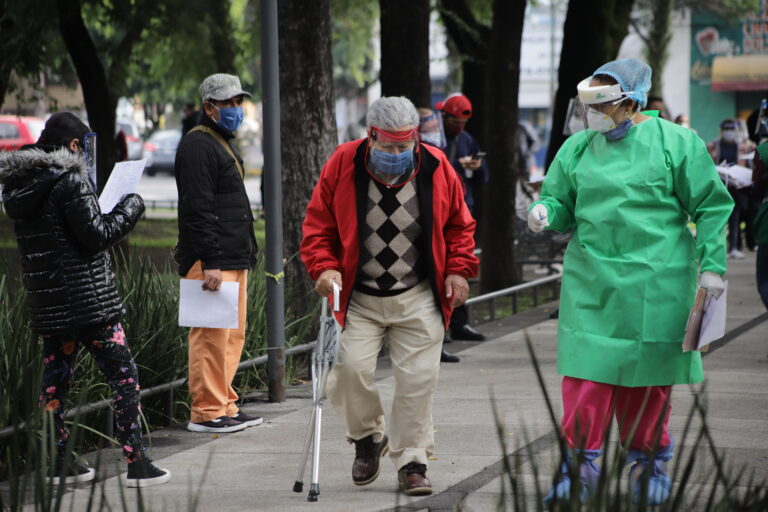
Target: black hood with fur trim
{"type": "Point", "coordinates": [63, 238]}
{"type": "Point", "coordinates": [27, 176]}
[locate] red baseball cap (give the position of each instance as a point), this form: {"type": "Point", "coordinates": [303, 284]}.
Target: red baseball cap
{"type": "Point", "coordinates": [456, 105]}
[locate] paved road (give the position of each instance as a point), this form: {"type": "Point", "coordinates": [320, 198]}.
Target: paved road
{"type": "Point", "coordinates": [162, 187]}
{"type": "Point", "coordinates": [255, 469]}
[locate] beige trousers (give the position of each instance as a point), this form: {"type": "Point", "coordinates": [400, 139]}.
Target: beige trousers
{"type": "Point", "coordinates": [414, 327]}
{"type": "Point", "coordinates": [214, 355]}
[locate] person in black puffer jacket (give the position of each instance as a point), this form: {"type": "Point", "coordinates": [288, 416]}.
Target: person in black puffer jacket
{"type": "Point", "coordinates": [63, 239]}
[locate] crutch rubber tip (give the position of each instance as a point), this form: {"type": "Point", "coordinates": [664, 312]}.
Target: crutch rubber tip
{"type": "Point", "coordinates": [314, 491]}
{"type": "Point", "coordinates": [298, 486]}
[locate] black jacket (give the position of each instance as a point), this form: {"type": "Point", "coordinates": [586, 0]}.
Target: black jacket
{"type": "Point", "coordinates": [63, 238]}
{"type": "Point", "coordinates": [215, 218]}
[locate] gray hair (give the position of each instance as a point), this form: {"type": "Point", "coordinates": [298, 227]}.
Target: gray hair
{"type": "Point", "coordinates": [390, 113]}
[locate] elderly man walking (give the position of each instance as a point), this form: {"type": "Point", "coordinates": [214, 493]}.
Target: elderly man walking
{"type": "Point", "coordinates": [388, 223]}
{"type": "Point", "coordinates": [216, 243]}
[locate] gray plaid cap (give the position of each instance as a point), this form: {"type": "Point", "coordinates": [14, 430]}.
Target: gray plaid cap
{"type": "Point", "coordinates": [220, 87]}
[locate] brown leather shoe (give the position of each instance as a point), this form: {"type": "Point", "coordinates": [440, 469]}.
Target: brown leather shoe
{"type": "Point", "coordinates": [367, 455]}
{"type": "Point", "coordinates": [413, 479]}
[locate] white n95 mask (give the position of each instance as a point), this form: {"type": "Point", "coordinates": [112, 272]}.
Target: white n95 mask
{"type": "Point", "coordinates": [599, 122]}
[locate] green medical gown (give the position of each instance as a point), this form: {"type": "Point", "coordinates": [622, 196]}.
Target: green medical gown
{"type": "Point", "coordinates": [630, 269]}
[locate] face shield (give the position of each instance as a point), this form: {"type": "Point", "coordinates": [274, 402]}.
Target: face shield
{"type": "Point", "coordinates": [761, 129]}
{"type": "Point", "coordinates": [89, 153]}
{"type": "Point", "coordinates": [574, 118]}
{"type": "Point", "coordinates": [431, 130]}
{"type": "Point", "coordinates": [599, 104]}
{"type": "Point", "coordinates": [392, 156]}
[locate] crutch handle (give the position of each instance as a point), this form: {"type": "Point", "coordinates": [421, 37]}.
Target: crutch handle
{"type": "Point", "coordinates": [336, 290]}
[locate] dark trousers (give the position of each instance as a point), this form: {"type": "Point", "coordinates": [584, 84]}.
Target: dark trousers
{"type": "Point", "coordinates": [108, 346]}
{"type": "Point", "coordinates": [734, 221]}
{"type": "Point", "coordinates": [459, 317]}
{"type": "Point", "coordinates": [762, 272]}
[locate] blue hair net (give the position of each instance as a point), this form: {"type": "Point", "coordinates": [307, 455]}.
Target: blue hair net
{"type": "Point", "coordinates": [633, 76]}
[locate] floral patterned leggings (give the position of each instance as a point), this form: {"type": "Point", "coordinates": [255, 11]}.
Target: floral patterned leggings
{"type": "Point", "coordinates": [107, 344]}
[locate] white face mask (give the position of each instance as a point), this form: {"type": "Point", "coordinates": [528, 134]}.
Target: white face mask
{"type": "Point", "coordinates": [730, 136]}
{"type": "Point", "coordinates": [600, 122]}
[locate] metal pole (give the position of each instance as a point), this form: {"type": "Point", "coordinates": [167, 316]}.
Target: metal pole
{"type": "Point", "coordinates": [273, 203]}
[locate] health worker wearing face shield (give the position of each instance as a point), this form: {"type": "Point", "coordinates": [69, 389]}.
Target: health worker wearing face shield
{"type": "Point", "coordinates": [216, 243]}
{"type": "Point", "coordinates": [628, 186]}
{"type": "Point", "coordinates": [388, 224]}
{"type": "Point", "coordinates": [64, 240]}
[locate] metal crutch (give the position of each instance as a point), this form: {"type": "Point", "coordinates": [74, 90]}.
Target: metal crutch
{"type": "Point", "coordinates": [322, 359]}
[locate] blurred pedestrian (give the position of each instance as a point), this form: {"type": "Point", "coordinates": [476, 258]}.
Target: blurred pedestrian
{"type": "Point", "coordinates": [656, 103]}
{"type": "Point", "coordinates": [628, 186]}
{"type": "Point", "coordinates": [732, 148]}
{"type": "Point", "coordinates": [758, 133]}
{"type": "Point", "coordinates": [388, 224]}
{"type": "Point", "coordinates": [64, 241]}
{"type": "Point", "coordinates": [216, 243]}
{"type": "Point", "coordinates": [190, 119]}
{"type": "Point", "coordinates": [469, 162]}
{"type": "Point", "coordinates": [431, 132]}
{"type": "Point", "coordinates": [683, 120]}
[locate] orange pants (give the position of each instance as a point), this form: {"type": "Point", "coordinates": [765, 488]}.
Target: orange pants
{"type": "Point", "coordinates": [214, 355]}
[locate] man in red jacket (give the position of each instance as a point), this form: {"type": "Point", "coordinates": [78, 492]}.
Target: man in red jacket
{"type": "Point", "coordinates": [388, 223]}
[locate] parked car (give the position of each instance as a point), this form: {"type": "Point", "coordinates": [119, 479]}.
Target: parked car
{"type": "Point", "coordinates": [132, 138]}
{"type": "Point", "coordinates": [15, 131]}
{"type": "Point", "coordinates": [160, 151]}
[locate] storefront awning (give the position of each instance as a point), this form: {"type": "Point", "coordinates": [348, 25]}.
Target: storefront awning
{"type": "Point", "coordinates": [742, 73]}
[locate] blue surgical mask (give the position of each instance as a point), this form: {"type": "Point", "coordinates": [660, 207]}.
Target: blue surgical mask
{"type": "Point", "coordinates": [390, 164]}
{"type": "Point", "coordinates": [619, 132]}
{"type": "Point", "coordinates": [230, 118]}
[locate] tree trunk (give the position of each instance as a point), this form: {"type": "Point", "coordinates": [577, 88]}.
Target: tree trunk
{"type": "Point", "coordinates": [307, 123]}
{"type": "Point", "coordinates": [503, 79]}
{"type": "Point", "coordinates": [658, 41]}
{"type": "Point", "coordinates": [470, 38]}
{"type": "Point", "coordinates": [99, 101]}
{"type": "Point", "coordinates": [592, 35]}
{"type": "Point", "coordinates": [405, 50]}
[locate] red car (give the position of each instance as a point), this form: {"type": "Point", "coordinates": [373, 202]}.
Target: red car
{"type": "Point", "coordinates": [16, 131]}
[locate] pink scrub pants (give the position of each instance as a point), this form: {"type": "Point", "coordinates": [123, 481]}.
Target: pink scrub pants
{"type": "Point", "coordinates": [590, 406]}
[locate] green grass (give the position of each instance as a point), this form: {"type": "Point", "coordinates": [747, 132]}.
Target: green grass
{"type": "Point", "coordinates": [149, 233]}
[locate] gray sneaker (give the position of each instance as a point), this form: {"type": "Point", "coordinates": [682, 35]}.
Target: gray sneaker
{"type": "Point", "coordinates": [222, 424]}
{"type": "Point", "coordinates": [250, 421]}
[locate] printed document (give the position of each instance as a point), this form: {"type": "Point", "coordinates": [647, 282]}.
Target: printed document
{"type": "Point", "coordinates": [204, 308]}
{"type": "Point", "coordinates": [123, 181]}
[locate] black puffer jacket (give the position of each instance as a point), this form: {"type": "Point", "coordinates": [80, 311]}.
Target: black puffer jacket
{"type": "Point", "coordinates": [215, 218]}
{"type": "Point", "coordinates": [63, 238]}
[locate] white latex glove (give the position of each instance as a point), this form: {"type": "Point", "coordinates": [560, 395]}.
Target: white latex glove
{"type": "Point", "coordinates": [538, 218]}
{"type": "Point", "coordinates": [712, 283]}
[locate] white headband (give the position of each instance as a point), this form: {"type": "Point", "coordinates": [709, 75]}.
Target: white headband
{"type": "Point", "coordinates": [599, 93]}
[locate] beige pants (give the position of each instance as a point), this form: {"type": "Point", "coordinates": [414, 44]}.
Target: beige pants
{"type": "Point", "coordinates": [414, 327]}
{"type": "Point", "coordinates": [214, 355]}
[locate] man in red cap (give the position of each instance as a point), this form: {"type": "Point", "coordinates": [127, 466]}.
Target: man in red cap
{"type": "Point", "coordinates": [464, 154]}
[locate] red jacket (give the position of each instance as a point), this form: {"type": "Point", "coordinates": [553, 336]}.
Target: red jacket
{"type": "Point", "coordinates": [336, 212]}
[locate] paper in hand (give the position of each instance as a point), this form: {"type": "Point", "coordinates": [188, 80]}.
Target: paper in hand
{"type": "Point", "coordinates": [204, 308]}
{"type": "Point", "coordinates": [124, 180]}
{"type": "Point", "coordinates": [706, 321]}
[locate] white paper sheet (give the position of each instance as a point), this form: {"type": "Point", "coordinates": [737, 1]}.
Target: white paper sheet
{"type": "Point", "coordinates": [123, 180]}
{"type": "Point", "coordinates": [204, 308]}
{"type": "Point", "coordinates": [713, 319]}
{"type": "Point", "coordinates": [736, 175]}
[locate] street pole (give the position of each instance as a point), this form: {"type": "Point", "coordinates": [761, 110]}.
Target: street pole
{"type": "Point", "coordinates": [273, 203]}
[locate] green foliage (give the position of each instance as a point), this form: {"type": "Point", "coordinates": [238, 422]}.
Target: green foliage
{"type": "Point", "coordinates": [353, 23]}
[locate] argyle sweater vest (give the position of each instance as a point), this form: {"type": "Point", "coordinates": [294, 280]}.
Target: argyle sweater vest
{"type": "Point", "coordinates": [391, 261]}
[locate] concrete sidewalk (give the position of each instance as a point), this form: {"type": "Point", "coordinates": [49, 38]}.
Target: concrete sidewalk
{"type": "Point", "coordinates": [255, 469]}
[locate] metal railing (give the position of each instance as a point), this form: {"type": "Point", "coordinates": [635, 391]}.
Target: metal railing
{"type": "Point", "coordinates": [514, 291]}
{"type": "Point", "coordinates": [168, 388]}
